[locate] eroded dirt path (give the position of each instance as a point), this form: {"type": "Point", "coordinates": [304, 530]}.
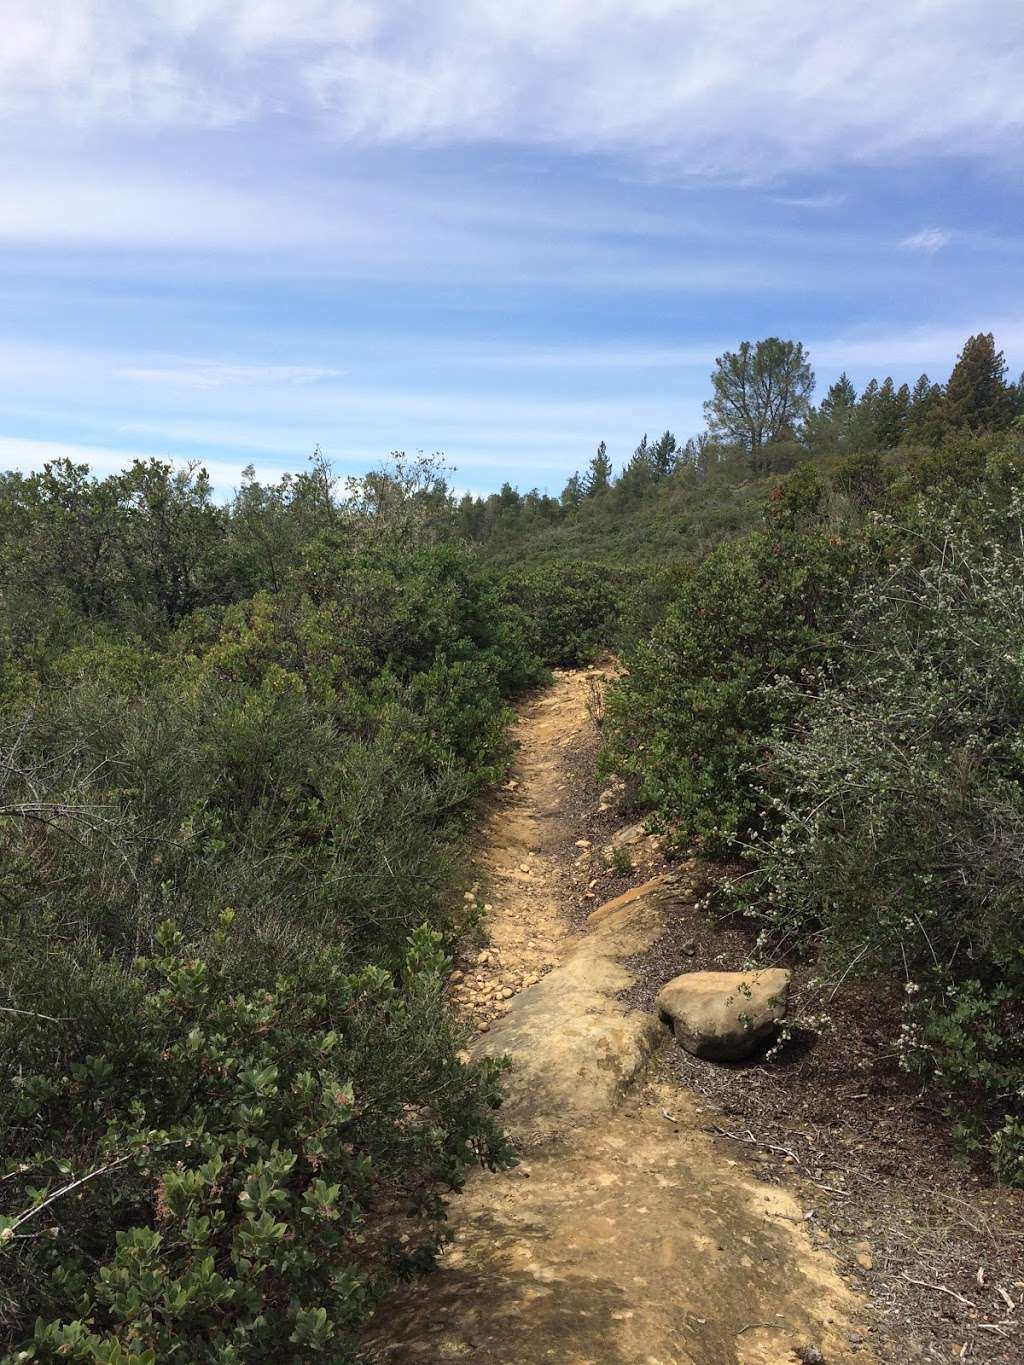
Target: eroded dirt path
{"type": "Point", "coordinates": [625, 1237]}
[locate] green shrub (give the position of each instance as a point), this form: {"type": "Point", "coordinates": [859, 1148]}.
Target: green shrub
{"type": "Point", "coordinates": [572, 608]}
{"type": "Point", "coordinates": [689, 719]}
{"type": "Point", "coordinates": [226, 1171]}
{"type": "Point", "coordinates": [898, 792]}
{"type": "Point", "coordinates": [312, 758]}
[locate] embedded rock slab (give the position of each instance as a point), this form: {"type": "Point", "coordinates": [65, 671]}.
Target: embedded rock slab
{"type": "Point", "coordinates": [574, 1047]}
{"type": "Point", "coordinates": [723, 1016]}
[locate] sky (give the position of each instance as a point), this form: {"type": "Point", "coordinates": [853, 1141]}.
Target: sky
{"type": "Point", "coordinates": [233, 230]}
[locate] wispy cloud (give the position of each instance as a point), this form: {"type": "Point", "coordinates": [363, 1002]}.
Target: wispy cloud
{"type": "Point", "coordinates": [928, 241]}
{"type": "Point", "coordinates": [750, 88]}
{"type": "Point", "coordinates": [814, 202]}
{"type": "Point", "coordinates": [218, 375]}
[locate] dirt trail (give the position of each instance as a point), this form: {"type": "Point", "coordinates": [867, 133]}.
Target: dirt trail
{"type": "Point", "coordinates": [625, 1237]}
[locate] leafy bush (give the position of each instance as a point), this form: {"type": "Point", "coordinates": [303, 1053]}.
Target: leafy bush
{"type": "Point", "coordinates": [899, 792]}
{"type": "Point", "coordinates": [223, 1140]}
{"type": "Point", "coordinates": [228, 1170]}
{"type": "Point", "coordinates": [572, 609]}
{"type": "Point", "coordinates": [689, 719]}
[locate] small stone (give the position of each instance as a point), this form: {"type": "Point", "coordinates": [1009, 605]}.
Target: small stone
{"type": "Point", "coordinates": [469, 898]}
{"type": "Point", "coordinates": [483, 1026]}
{"type": "Point", "coordinates": [524, 867]}
{"type": "Point", "coordinates": [455, 977]}
{"type": "Point", "coordinates": [864, 1257]}
{"type": "Point", "coordinates": [690, 949]}
{"type": "Point", "coordinates": [507, 993]}
{"type": "Point", "coordinates": [483, 956]}
{"type": "Point", "coordinates": [582, 843]}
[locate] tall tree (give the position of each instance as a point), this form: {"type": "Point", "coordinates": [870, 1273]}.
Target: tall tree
{"type": "Point", "coordinates": [663, 455]}
{"type": "Point", "coordinates": [840, 399]}
{"type": "Point", "coordinates": [572, 493]}
{"type": "Point", "coordinates": [889, 419]}
{"type": "Point", "coordinates": [638, 473]}
{"type": "Point", "coordinates": [761, 394]}
{"type": "Point", "coordinates": [599, 474]}
{"type": "Point", "coordinates": [978, 396]}
{"type": "Point", "coordinates": [924, 417]}
{"type": "Point", "coordinates": [827, 428]}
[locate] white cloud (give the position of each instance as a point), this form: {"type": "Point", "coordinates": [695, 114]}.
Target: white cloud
{"type": "Point", "coordinates": [217, 375]}
{"type": "Point", "coordinates": [746, 89]}
{"type": "Point", "coordinates": [928, 241]}
{"type": "Point", "coordinates": [817, 202]}
{"type": "Point", "coordinates": [28, 456]}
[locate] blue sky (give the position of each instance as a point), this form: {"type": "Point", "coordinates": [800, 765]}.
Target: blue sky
{"type": "Point", "coordinates": [233, 229]}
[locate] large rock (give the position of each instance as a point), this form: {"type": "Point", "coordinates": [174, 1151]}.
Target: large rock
{"type": "Point", "coordinates": [574, 1045]}
{"type": "Point", "coordinates": [724, 1015]}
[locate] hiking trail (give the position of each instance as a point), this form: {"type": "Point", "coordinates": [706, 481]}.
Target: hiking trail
{"type": "Point", "coordinates": [626, 1236]}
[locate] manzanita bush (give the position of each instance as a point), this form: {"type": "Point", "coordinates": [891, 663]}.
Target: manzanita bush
{"type": "Point", "coordinates": [210, 1184]}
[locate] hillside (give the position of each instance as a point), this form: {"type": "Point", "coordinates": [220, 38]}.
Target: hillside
{"type": "Point", "coordinates": [259, 775]}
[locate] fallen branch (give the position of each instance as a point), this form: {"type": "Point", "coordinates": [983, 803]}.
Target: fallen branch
{"type": "Point", "coordinates": [751, 1141]}
{"type": "Point", "coordinates": [33, 1014]}
{"type": "Point", "coordinates": [939, 1289]}
{"type": "Point", "coordinates": [832, 1189]}
{"type": "Point", "coordinates": [10, 1231]}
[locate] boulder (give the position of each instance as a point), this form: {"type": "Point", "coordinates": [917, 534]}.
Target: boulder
{"type": "Point", "coordinates": [723, 1016]}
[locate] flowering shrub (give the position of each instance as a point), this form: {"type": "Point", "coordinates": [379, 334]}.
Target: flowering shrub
{"type": "Point", "coordinates": [897, 796]}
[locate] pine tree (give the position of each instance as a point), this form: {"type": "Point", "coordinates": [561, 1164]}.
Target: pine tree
{"type": "Point", "coordinates": [599, 474]}
{"type": "Point", "coordinates": [840, 400]}
{"type": "Point", "coordinates": [663, 455]}
{"type": "Point", "coordinates": [977, 395]}
{"type": "Point", "coordinates": [572, 493]}
{"type": "Point", "coordinates": [862, 432]}
{"type": "Point", "coordinates": [924, 417]}
{"type": "Point", "coordinates": [827, 428]}
{"type": "Point", "coordinates": [762, 393]}
{"type": "Point", "coordinates": [641, 471]}
{"type": "Point", "coordinates": [889, 415]}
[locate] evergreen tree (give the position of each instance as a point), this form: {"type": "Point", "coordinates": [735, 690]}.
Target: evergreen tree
{"type": "Point", "coordinates": [762, 393]}
{"type": "Point", "coordinates": [924, 416]}
{"type": "Point", "coordinates": [827, 429]}
{"type": "Point", "coordinates": [840, 400]}
{"type": "Point", "coordinates": [572, 493]}
{"type": "Point", "coordinates": [978, 396]}
{"type": "Point", "coordinates": [889, 416]}
{"type": "Point", "coordinates": [639, 473]}
{"type": "Point", "coordinates": [663, 455]}
{"type": "Point", "coordinates": [599, 474]}
{"type": "Point", "coordinates": [864, 424]}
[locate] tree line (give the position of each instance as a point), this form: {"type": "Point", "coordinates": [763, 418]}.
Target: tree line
{"type": "Point", "coordinates": [761, 419]}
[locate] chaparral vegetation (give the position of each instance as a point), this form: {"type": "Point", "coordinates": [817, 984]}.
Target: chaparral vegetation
{"type": "Point", "coordinates": [243, 747]}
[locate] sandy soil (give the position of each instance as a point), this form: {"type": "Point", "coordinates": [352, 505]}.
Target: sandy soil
{"type": "Point", "coordinates": [628, 1233]}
